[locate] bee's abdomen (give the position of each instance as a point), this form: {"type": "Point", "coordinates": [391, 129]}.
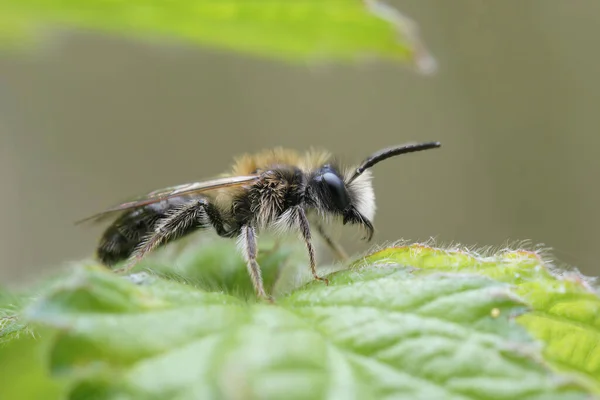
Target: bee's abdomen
{"type": "Point", "coordinates": [121, 239]}
{"type": "Point", "coordinates": [115, 247]}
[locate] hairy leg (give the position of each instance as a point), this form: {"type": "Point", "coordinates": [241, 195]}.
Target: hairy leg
{"type": "Point", "coordinates": [305, 230]}
{"type": "Point", "coordinates": [334, 246]}
{"type": "Point", "coordinates": [179, 222]}
{"type": "Point", "coordinates": [249, 246]}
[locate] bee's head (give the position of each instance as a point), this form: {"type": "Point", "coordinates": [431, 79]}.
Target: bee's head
{"type": "Point", "coordinates": [329, 192]}
{"type": "Point", "coordinates": [351, 195]}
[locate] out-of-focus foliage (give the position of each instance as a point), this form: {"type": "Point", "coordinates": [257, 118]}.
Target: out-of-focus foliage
{"type": "Point", "coordinates": [24, 372]}
{"type": "Point", "coordinates": [300, 30]}
{"type": "Point", "coordinates": [23, 369]}
{"type": "Point", "coordinates": [408, 322]}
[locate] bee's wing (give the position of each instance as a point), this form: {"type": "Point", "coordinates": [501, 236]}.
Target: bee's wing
{"type": "Point", "coordinates": [173, 191]}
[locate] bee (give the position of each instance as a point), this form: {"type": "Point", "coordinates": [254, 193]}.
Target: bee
{"type": "Point", "coordinates": [277, 189]}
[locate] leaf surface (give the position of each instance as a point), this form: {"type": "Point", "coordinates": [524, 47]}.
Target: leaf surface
{"type": "Point", "coordinates": [565, 307]}
{"type": "Point", "coordinates": [374, 332]}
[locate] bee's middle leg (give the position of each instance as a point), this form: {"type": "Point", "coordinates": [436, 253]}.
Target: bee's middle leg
{"type": "Point", "coordinates": [249, 246]}
{"type": "Point", "coordinates": [305, 230]}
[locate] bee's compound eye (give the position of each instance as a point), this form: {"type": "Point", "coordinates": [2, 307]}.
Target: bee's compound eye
{"type": "Point", "coordinates": [337, 189]}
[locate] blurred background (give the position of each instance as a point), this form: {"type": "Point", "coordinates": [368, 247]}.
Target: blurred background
{"type": "Point", "coordinates": [94, 119]}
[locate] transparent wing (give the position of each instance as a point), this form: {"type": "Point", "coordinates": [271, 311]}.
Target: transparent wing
{"type": "Point", "coordinates": [173, 191]}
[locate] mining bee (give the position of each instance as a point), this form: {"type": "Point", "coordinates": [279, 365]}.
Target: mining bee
{"type": "Point", "coordinates": [276, 189]}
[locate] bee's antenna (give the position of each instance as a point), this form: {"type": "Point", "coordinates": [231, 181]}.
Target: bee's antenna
{"type": "Point", "coordinates": [391, 152]}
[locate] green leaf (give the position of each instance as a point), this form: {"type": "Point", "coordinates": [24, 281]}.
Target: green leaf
{"type": "Point", "coordinates": [565, 308]}
{"type": "Point", "coordinates": [216, 265]}
{"type": "Point", "coordinates": [22, 367]}
{"type": "Point", "coordinates": [10, 324]}
{"type": "Point", "coordinates": [23, 370]}
{"type": "Point", "coordinates": [314, 30]}
{"type": "Point", "coordinates": [406, 322]}
{"type": "Point", "coordinates": [24, 373]}
{"type": "Point", "coordinates": [374, 332]}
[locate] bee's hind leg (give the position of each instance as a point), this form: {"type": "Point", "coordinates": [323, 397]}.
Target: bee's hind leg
{"type": "Point", "coordinates": [183, 220]}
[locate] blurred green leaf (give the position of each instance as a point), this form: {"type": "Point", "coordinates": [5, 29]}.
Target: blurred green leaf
{"type": "Point", "coordinates": [10, 324]}
{"type": "Point", "coordinates": [23, 370]}
{"type": "Point", "coordinates": [299, 30]}
{"type": "Point", "coordinates": [216, 265]}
